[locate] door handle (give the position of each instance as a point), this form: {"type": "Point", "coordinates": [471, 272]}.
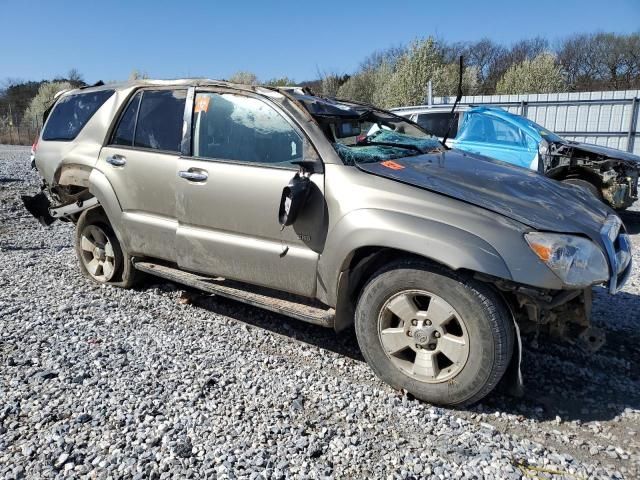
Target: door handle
{"type": "Point", "coordinates": [193, 176]}
{"type": "Point", "coordinates": [117, 160]}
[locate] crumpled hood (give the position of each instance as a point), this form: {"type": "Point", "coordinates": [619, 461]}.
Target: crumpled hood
{"type": "Point", "coordinates": [514, 192]}
{"type": "Point", "coordinates": [607, 152]}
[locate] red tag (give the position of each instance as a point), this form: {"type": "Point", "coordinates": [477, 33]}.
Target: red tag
{"type": "Point", "coordinates": [202, 103]}
{"type": "Point", "coordinates": [392, 165]}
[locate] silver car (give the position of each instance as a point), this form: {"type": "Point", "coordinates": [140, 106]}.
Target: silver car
{"type": "Point", "coordinates": [334, 213]}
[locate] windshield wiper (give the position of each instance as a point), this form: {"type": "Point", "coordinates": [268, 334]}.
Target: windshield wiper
{"type": "Point", "coordinates": [455, 104]}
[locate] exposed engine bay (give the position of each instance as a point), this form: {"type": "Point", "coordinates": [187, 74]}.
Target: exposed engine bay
{"type": "Point", "coordinates": [613, 171]}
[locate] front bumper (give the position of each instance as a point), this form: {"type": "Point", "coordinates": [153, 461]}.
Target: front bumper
{"type": "Point", "coordinates": [618, 248]}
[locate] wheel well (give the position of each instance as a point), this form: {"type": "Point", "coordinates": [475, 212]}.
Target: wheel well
{"type": "Point", "coordinates": [577, 173]}
{"type": "Point", "coordinates": [73, 174]}
{"type": "Point", "coordinates": [96, 213]}
{"type": "Point", "coordinates": [357, 270]}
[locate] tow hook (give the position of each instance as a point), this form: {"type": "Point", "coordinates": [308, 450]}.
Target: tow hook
{"type": "Point", "coordinates": [40, 207]}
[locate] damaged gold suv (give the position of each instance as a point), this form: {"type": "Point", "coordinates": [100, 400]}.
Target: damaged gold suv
{"type": "Point", "coordinates": [333, 213]}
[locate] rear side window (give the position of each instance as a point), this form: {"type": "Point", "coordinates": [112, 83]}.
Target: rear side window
{"type": "Point", "coordinates": [71, 113]}
{"type": "Point", "coordinates": [438, 123]}
{"type": "Point", "coordinates": [153, 119]}
{"type": "Point", "coordinates": [160, 120]}
{"type": "Point", "coordinates": [127, 125]}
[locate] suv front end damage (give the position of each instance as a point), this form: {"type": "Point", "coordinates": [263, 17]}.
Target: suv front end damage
{"type": "Point", "coordinates": [566, 314]}
{"type": "Point", "coordinates": [615, 172]}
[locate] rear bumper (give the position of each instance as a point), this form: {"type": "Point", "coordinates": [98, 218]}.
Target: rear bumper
{"type": "Point", "coordinates": [38, 206]}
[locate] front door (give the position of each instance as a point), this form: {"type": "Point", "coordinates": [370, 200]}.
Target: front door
{"type": "Point", "coordinates": [140, 161]}
{"type": "Point", "coordinates": [229, 190]}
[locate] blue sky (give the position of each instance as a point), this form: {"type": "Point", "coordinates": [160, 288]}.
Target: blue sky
{"type": "Point", "coordinates": [106, 40]}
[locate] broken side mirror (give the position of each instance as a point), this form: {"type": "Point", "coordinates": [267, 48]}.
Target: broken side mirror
{"type": "Point", "coordinates": [294, 196]}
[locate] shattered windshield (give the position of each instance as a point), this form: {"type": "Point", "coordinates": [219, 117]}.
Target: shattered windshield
{"type": "Point", "coordinates": [363, 134]}
{"type": "Point", "coordinates": [382, 144]}
{"type": "Point", "coordinates": [377, 136]}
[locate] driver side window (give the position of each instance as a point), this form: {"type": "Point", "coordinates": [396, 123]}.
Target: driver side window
{"type": "Point", "coordinates": [237, 128]}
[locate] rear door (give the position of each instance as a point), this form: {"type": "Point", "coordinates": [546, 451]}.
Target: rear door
{"type": "Point", "coordinates": [495, 138]}
{"type": "Point", "coordinates": [229, 190]}
{"type": "Point", "coordinates": [140, 161]}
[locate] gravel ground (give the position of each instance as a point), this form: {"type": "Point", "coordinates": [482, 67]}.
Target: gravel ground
{"type": "Point", "coordinates": [109, 383]}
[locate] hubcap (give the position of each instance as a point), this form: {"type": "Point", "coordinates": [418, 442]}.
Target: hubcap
{"type": "Point", "coordinates": [423, 336]}
{"type": "Point", "coordinates": [97, 253]}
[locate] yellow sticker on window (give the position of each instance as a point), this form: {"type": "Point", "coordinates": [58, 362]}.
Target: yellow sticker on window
{"type": "Point", "coordinates": [202, 103]}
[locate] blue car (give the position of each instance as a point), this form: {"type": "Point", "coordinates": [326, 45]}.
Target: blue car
{"type": "Point", "coordinates": [610, 174]}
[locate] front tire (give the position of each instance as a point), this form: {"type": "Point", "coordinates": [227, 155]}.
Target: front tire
{"type": "Point", "coordinates": [445, 338]}
{"type": "Point", "coordinates": [585, 185]}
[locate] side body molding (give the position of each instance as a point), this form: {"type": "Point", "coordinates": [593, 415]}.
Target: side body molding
{"type": "Point", "coordinates": [445, 244]}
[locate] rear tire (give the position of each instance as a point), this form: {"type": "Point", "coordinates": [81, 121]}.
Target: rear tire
{"type": "Point", "coordinates": [445, 338]}
{"type": "Point", "coordinates": [100, 255]}
{"type": "Point", "coordinates": [585, 185]}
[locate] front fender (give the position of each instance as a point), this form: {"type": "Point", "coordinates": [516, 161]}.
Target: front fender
{"type": "Point", "coordinates": [443, 243]}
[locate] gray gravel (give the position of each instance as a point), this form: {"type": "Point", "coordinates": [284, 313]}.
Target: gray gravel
{"type": "Point", "coordinates": [102, 382]}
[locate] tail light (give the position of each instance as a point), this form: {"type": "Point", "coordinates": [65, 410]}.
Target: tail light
{"type": "Point", "coordinates": [34, 147]}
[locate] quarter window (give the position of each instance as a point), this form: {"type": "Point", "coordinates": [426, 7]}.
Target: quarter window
{"type": "Point", "coordinates": [234, 127]}
{"type": "Point", "coordinates": [153, 119]}
{"type": "Point", "coordinates": [72, 113]}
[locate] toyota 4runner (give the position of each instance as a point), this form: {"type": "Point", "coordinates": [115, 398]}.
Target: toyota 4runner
{"type": "Point", "coordinates": [334, 213]}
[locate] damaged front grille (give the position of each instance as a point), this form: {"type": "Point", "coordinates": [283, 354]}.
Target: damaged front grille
{"type": "Point", "coordinates": [618, 248]}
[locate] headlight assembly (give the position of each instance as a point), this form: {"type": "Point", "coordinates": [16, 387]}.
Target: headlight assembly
{"type": "Point", "coordinates": [577, 261]}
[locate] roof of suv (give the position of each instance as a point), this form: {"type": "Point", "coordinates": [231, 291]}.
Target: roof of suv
{"type": "Point", "coordinates": [166, 83]}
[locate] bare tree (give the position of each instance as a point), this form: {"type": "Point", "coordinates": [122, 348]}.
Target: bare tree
{"type": "Point", "coordinates": [244, 78]}
{"type": "Point", "coordinates": [75, 78]}
{"type": "Point", "coordinates": [528, 49]}
{"type": "Point", "coordinates": [280, 82]}
{"type": "Point", "coordinates": [138, 75]}
{"type": "Point", "coordinates": [488, 59]}
{"type": "Point", "coordinates": [543, 74]}
{"type": "Point", "coordinates": [389, 56]}
{"type": "Point", "coordinates": [601, 61]}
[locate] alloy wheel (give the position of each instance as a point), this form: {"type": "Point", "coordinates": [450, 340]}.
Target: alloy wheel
{"type": "Point", "coordinates": [423, 336]}
{"type": "Point", "coordinates": [98, 255]}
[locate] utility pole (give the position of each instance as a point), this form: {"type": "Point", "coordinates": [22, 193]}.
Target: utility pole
{"type": "Point", "coordinates": [10, 124]}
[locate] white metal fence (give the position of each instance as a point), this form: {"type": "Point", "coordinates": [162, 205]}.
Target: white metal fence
{"type": "Point", "coordinates": [604, 118]}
